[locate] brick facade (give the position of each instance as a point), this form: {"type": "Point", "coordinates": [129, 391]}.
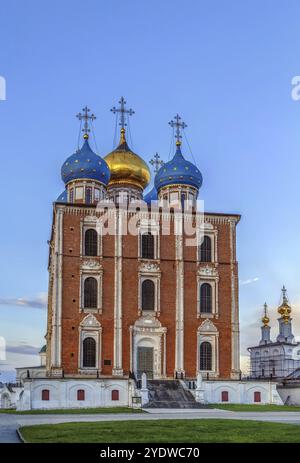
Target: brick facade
{"type": "Point", "coordinates": [65, 314]}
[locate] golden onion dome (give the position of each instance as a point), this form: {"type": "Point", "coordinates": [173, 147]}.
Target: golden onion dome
{"type": "Point", "coordinates": [126, 167]}
{"type": "Point", "coordinates": [284, 309]}
{"type": "Point", "coordinates": [265, 319]}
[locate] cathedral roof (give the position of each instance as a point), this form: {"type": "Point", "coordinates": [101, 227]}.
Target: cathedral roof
{"type": "Point", "coordinates": [151, 196]}
{"type": "Point", "coordinates": [178, 171]}
{"type": "Point", "coordinates": [127, 167]}
{"type": "Point", "coordinates": [84, 163]}
{"type": "Point", "coordinates": [63, 197]}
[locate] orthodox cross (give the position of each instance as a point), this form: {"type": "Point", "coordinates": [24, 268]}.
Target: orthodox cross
{"type": "Point", "coordinates": [265, 309]}
{"type": "Point", "coordinates": [156, 162]}
{"type": "Point", "coordinates": [86, 117]}
{"type": "Point", "coordinates": [179, 125]}
{"type": "Point", "coordinates": [122, 111]}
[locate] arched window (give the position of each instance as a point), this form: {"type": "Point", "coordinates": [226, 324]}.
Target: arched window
{"type": "Point", "coordinates": [148, 291]}
{"type": "Point", "coordinates": [115, 394]}
{"type": "Point", "coordinates": [45, 394]}
{"type": "Point", "coordinates": [205, 250]}
{"type": "Point", "coordinates": [147, 246]}
{"type": "Point", "coordinates": [90, 293]}
{"type": "Point", "coordinates": [80, 394]}
{"type": "Point", "coordinates": [205, 298]}
{"type": "Point", "coordinates": [205, 356]}
{"type": "Point", "coordinates": [91, 242]}
{"type": "Point", "coordinates": [89, 353]}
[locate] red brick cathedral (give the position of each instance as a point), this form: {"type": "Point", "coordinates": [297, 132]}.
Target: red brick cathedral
{"type": "Point", "coordinates": [139, 283]}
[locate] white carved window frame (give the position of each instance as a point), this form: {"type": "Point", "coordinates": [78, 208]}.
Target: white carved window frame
{"type": "Point", "coordinates": [86, 224]}
{"type": "Point", "coordinates": [214, 283]}
{"type": "Point", "coordinates": [98, 275]}
{"type": "Point", "coordinates": [155, 278]}
{"type": "Point", "coordinates": [144, 227]}
{"type": "Point", "coordinates": [206, 229]}
{"type": "Point", "coordinates": [213, 338]}
{"type": "Point", "coordinates": [90, 328]}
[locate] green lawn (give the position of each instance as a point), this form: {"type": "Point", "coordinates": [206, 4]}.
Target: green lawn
{"type": "Point", "coordinates": [75, 411]}
{"type": "Point", "coordinates": [165, 431]}
{"type": "Point", "coordinates": [256, 408]}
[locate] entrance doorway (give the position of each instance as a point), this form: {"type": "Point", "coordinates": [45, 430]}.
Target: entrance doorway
{"type": "Point", "coordinates": [145, 362]}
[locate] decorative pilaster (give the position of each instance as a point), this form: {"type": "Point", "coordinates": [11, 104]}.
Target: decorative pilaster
{"type": "Point", "coordinates": [57, 291]}
{"type": "Point", "coordinates": [179, 340]}
{"type": "Point", "coordinates": [235, 330]}
{"type": "Point", "coordinates": [117, 367]}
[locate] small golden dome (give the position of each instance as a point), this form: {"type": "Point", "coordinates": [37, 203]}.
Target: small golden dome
{"type": "Point", "coordinates": [284, 309]}
{"type": "Point", "coordinates": [265, 319]}
{"type": "Point", "coordinates": [127, 167]}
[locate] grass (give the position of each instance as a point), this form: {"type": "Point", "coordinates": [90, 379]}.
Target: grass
{"type": "Point", "coordinates": [75, 411]}
{"type": "Point", "coordinates": [256, 408]}
{"type": "Point", "coordinates": [164, 431]}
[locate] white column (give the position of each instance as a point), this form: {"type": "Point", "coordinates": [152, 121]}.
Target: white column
{"type": "Point", "coordinates": [57, 291]}
{"type": "Point", "coordinates": [179, 339]}
{"type": "Point", "coordinates": [117, 367]}
{"type": "Point", "coordinates": [235, 331]}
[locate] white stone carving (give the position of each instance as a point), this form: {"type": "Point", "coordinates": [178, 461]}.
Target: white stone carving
{"type": "Point", "coordinates": [208, 271]}
{"type": "Point", "coordinates": [90, 321]}
{"type": "Point", "coordinates": [207, 327]}
{"type": "Point", "coordinates": [91, 265]}
{"type": "Point", "coordinates": [149, 267]}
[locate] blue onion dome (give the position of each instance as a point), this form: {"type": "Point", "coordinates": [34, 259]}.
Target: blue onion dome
{"type": "Point", "coordinates": [84, 163]}
{"type": "Point", "coordinates": [63, 198]}
{"type": "Point", "coordinates": [178, 171]}
{"type": "Point", "coordinates": [151, 196]}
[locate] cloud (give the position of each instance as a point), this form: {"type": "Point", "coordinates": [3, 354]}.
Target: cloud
{"type": "Point", "coordinates": [249, 281]}
{"type": "Point", "coordinates": [37, 302]}
{"type": "Point", "coordinates": [23, 348]}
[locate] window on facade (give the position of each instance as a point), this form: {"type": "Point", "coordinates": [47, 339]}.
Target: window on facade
{"type": "Point", "coordinates": [147, 246]}
{"type": "Point", "coordinates": [148, 292]}
{"type": "Point", "coordinates": [91, 242]}
{"type": "Point", "coordinates": [257, 396]}
{"type": "Point", "coordinates": [89, 353]}
{"type": "Point", "coordinates": [88, 195]}
{"type": "Point", "coordinates": [97, 194]}
{"type": "Point", "coordinates": [115, 394]}
{"type": "Point", "coordinates": [205, 356]}
{"type": "Point", "coordinates": [80, 394]}
{"type": "Point", "coordinates": [90, 293]}
{"type": "Point", "coordinates": [205, 250]}
{"type": "Point", "coordinates": [79, 192]}
{"type": "Point", "coordinates": [72, 195]}
{"type": "Point", "coordinates": [45, 394]}
{"type": "Point", "coordinates": [224, 396]}
{"type": "Point", "coordinates": [206, 298]}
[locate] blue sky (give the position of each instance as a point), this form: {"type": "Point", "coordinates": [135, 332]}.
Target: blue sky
{"type": "Point", "coordinates": [226, 67]}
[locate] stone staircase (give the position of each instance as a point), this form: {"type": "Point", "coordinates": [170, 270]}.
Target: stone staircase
{"type": "Point", "coordinates": [170, 394]}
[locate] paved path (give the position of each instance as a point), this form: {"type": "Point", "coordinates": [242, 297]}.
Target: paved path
{"type": "Point", "coordinates": [10, 423]}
